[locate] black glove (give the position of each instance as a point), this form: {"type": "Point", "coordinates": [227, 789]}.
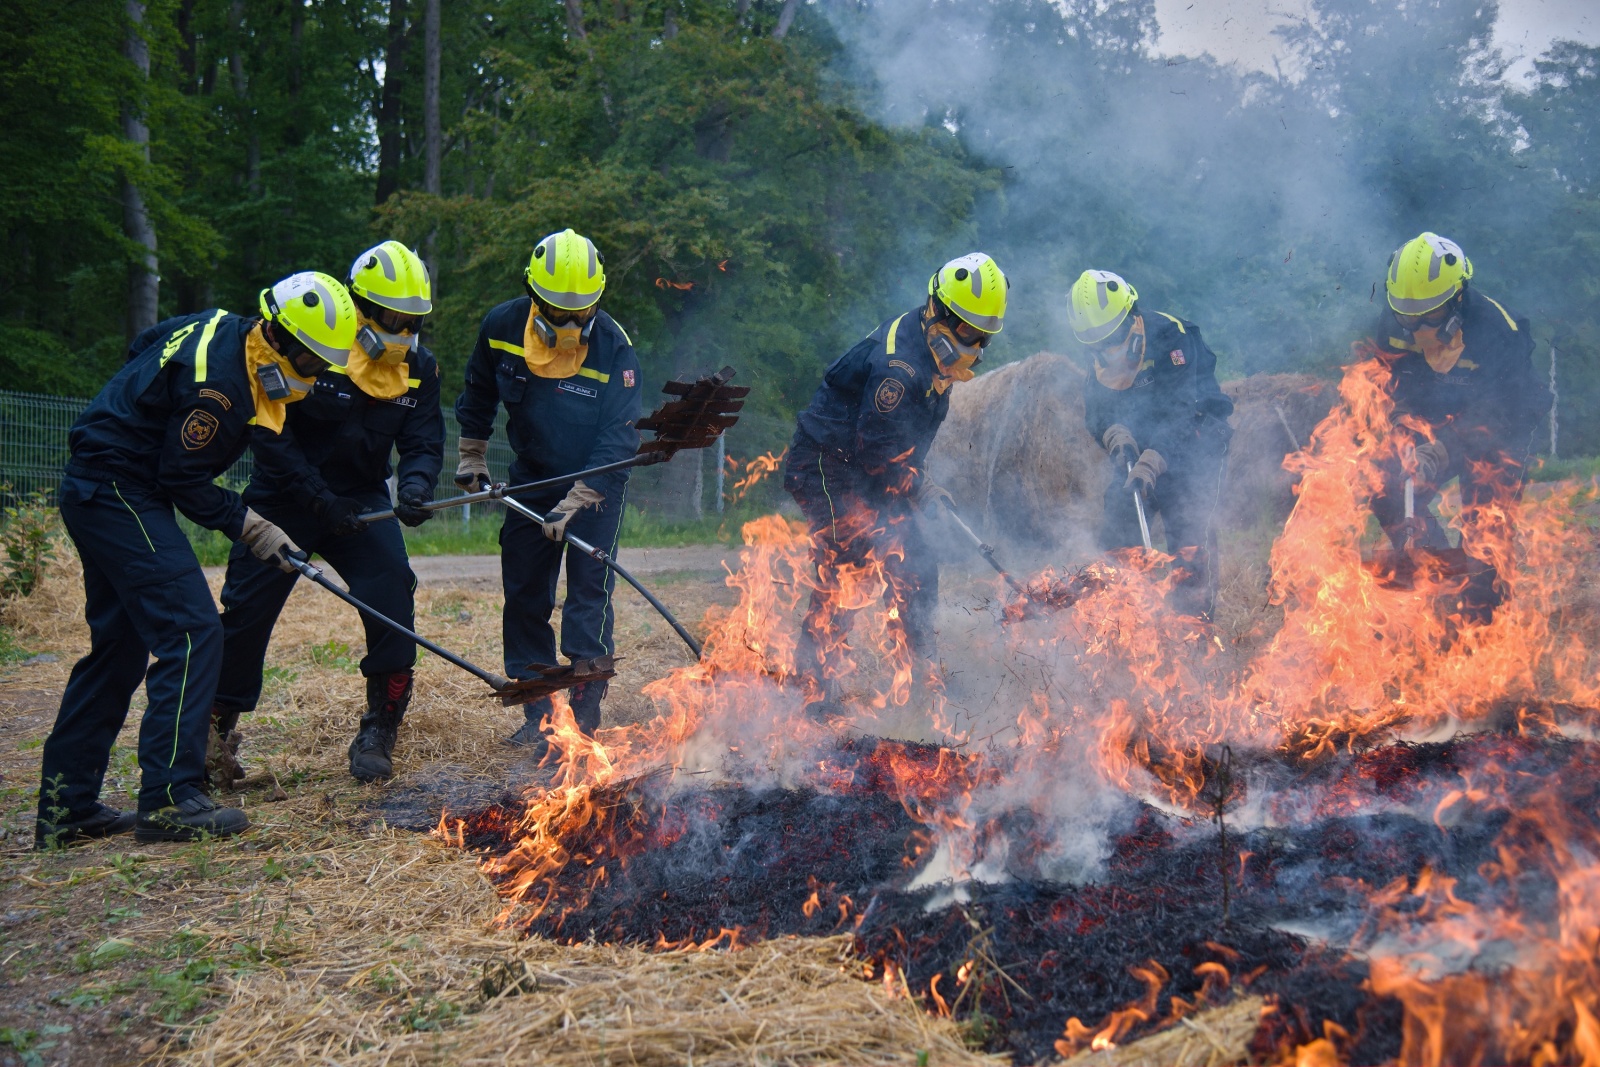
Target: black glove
{"type": "Point", "coordinates": [408, 506]}
{"type": "Point", "coordinates": [339, 513]}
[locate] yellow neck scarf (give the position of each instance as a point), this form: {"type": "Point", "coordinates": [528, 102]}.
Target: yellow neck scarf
{"type": "Point", "coordinates": [555, 362]}
{"type": "Point", "coordinates": [1118, 367]}
{"type": "Point", "coordinates": [377, 378]}
{"type": "Point", "coordinates": [257, 353]}
{"type": "Point", "coordinates": [1441, 355]}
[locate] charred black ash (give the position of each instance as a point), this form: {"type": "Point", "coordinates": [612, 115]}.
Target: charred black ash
{"type": "Point", "coordinates": [728, 865]}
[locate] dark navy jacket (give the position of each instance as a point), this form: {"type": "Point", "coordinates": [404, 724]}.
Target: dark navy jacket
{"type": "Point", "coordinates": [337, 441]}
{"type": "Point", "coordinates": [876, 408]}
{"type": "Point", "coordinates": [1490, 399]}
{"type": "Point", "coordinates": [1176, 386]}
{"type": "Point", "coordinates": [177, 415]}
{"type": "Point", "coordinates": [556, 425]}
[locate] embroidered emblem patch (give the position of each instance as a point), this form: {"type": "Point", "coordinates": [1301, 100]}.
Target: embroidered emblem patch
{"type": "Point", "coordinates": [1177, 357]}
{"type": "Point", "coordinates": [212, 394]}
{"type": "Point", "coordinates": [573, 387]}
{"type": "Point", "coordinates": [198, 430]}
{"type": "Point", "coordinates": [889, 394]}
{"type": "Point", "coordinates": [903, 366]}
{"type": "Point", "coordinates": [627, 379]}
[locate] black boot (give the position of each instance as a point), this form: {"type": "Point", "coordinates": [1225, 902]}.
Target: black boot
{"type": "Point", "coordinates": [58, 829]}
{"type": "Point", "coordinates": [222, 748]}
{"type": "Point", "coordinates": [388, 696]}
{"type": "Point", "coordinates": [530, 734]}
{"type": "Point", "coordinates": [194, 820]}
{"type": "Point", "coordinates": [586, 698]}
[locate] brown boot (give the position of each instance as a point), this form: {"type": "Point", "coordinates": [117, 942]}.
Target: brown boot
{"type": "Point", "coordinates": [388, 696]}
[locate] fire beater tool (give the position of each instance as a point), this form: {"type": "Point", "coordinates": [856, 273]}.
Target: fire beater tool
{"type": "Point", "coordinates": [706, 407]}
{"type": "Point", "coordinates": [604, 557]}
{"type": "Point", "coordinates": [1144, 521]}
{"type": "Point", "coordinates": [551, 678]}
{"type": "Point", "coordinates": [985, 550]}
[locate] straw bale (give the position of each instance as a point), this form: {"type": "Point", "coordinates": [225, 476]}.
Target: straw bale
{"type": "Point", "coordinates": [1218, 1037]}
{"type": "Point", "coordinates": [1017, 457]}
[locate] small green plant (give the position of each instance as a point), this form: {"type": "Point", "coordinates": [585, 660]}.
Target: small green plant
{"type": "Point", "coordinates": [127, 869]}
{"type": "Point", "coordinates": [28, 532]}
{"type": "Point", "coordinates": [181, 993]}
{"type": "Point", "coordinates": [56, 811]}
{"type": "Point", "coordinates": [276, 677]}
{"type": "Point", "coordinates": [10, 651]}
{"type": "Point", "coordinates": [335, 654]}
{"type": "Point", "coordinates": [430, 1013]}
{"type": "Point", "coordinates": [28, 1044]}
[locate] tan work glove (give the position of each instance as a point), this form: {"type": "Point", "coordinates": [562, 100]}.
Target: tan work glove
{"type": "Point", "coordinates": [1432, 460]}
{"type": "Point", "coordinates": [930, 495]}
{"type": "Point", "coordinates": [580, 496]}
{"type": "Point", "coordinates": [1120, 444]}
{"type": "Point", "coordinates": [268, 543]}
{"type": "Point", "coordinates": [1145, 472]}
{"type": "Point", "coordinates": [472, 473]}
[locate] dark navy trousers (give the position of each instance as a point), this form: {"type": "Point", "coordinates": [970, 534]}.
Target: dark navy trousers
{"type": "Point", "coordinates": [144, 595]}
{"type": "Point", "coordinates": [374, 566]}
{"type": "Point", "coordinates": [529, 566]}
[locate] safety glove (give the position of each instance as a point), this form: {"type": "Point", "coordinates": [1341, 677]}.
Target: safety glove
{"type": "Point", "coordinates": [1120, 444]}
{"type": "Point", "coordinates": [340, 513]}
{"type": "Point", "coordinates": [1149, 467]}
{"type": "Point", "coordinates": [408, 505]}
{"type": "Point", "coordinates": [472, 473]}
{"type": "Point", "coordinates": [580, 496]}
{"type": "Point", "coordinates": [1432, 460]}
{"type": "Point", "coordinates": [932, 498]}
{"type": "Point", "coordinates": [268, 543]}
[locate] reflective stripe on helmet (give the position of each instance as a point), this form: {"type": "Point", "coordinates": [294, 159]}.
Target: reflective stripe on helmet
{"type": "Point", "coordinates": [1419, 305]}
{"type": "Point", "coordinates": [986, 323]}
{"type": "Point", "coordinates": [565, 301]}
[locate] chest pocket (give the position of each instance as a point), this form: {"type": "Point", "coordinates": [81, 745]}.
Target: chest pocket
{"type": "Point", "coordinates": [512, 382]}
{"type": "Point", "coordinates": [382, 417]}
{"type": "Point", "coordinates": [325, 404]}
{"type": "Point", "coordinates": [575, 401]}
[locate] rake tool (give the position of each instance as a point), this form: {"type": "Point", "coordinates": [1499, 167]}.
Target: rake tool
{"type": "Point", "coordinates": [550, 679]}
{"type": "Point", "coordinates": [1144, 520]}
{"type": "Point", "coordinates": [707, 407]}
{"type": "Point", "coordinates": [604, 557]}
{"type": "Point", "coordinates": [985, 550]}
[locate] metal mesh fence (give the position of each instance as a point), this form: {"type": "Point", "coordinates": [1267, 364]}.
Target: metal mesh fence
{"type": "Point", "coordinates": [33, 448]}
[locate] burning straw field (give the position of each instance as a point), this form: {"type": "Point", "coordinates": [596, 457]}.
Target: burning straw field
{"type": "Point", "coordinates": [1339, 825]}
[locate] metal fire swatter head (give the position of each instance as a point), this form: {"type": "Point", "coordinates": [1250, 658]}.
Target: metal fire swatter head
{"type": "Point", "coordinates": [707, 406]}
{"type": "Point", "coordinates": [555, 678]}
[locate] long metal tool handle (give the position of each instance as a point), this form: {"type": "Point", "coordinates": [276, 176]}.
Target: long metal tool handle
{"type": "Point", "coordinates": [1144, 521]}
{"type": "Point", "coordinates": [500, 492]}
{"type": "Point", "coordinates": [1411, 512]}
{"type": "Point", "coordinates": [984, 549]}
{"type": "Point", "coordinates": [315, 574]}
{"type": "Point", "coordinates": [605, 557]}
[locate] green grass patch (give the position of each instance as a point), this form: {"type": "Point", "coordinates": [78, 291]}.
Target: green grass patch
{"type": "Point", "coordinates": [10, 651]}
{"type": "Point", "coordinates": [449, 535]}
{"type": "Point", "coordinates": [1579, 468]}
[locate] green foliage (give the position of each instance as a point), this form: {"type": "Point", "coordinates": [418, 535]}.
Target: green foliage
{"type": "Point", "coordinates": [334, 654]}
{"type": "Point", "coordinates": [28, 532]}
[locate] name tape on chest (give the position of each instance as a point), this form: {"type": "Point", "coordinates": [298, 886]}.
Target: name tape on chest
{"type": "Point", "coordinates": [580, 390]}
{"type": "Point", "coordinates": [398, 401]}
{"type": "Point", "coordinates": [199, 430]}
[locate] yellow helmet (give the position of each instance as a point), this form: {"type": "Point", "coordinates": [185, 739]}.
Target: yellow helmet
{"type": "Point", "coordinates": [566, 271]}
{"type": "Point", "coordinates": [316, 311]}
{"type": "Point", "coordinates": [392, 276]}
{"type": "Point", "coordinates": [1097, 304]}
{"type": "Point", "coordinates": [1425, 272]}
{"type": "Point", "coordinates": [974, 287]}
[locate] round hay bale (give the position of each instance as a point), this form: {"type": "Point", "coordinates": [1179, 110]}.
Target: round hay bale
{"type": "Point", "coordinates": [1015, 455]}
{"type": "Point", "coordinates": [1022, 468]}
{"type": "Point", "coordinates": [1273, 415]}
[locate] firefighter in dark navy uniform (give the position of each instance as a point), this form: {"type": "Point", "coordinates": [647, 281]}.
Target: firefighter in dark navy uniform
{"type": "Point", "coordinates": [1154, 404]}
{"type": "Point", "coordinates": [329, 465]}
{"type": "Point", "coordinates": [568, 377]}
{"type": "Point", "coordinates": [857, 463]}
{"type": "Point", "coordinates": [1462, 377]}
{"type": "Point", "coordinates": [178, 414]}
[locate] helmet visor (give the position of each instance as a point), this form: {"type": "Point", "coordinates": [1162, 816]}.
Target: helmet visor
{"type": "Point", "coordinates": [1437, 317]}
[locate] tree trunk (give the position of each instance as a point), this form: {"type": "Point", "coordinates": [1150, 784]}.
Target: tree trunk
{"type": "Point", "coordinates": [144, 283]}
{"type": "Point", "coordinates": [432, 135]}
{"type": "Point", "coordinates": [390, 135]}
{"type": "Point", "coordinates": [575, 19]}
{"type": "Point", "coordinates": [785, 19]}
{"type": "Point", "coordinates": [1555, 404]}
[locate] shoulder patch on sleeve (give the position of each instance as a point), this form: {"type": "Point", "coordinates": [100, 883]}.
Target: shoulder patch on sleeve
{"type": "Point", "coordinates": [903, 366]}
{"type": "Point", "coordinates": [627, 379]}
{"type": "Point", "coordinates": [889, 393]}
{"type": "Point", "coordinates": [212, 394]}
{"type": "Point", "coordinates": [1177, 357]}
{"type": "Point", "coordinates": [199, 429]}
